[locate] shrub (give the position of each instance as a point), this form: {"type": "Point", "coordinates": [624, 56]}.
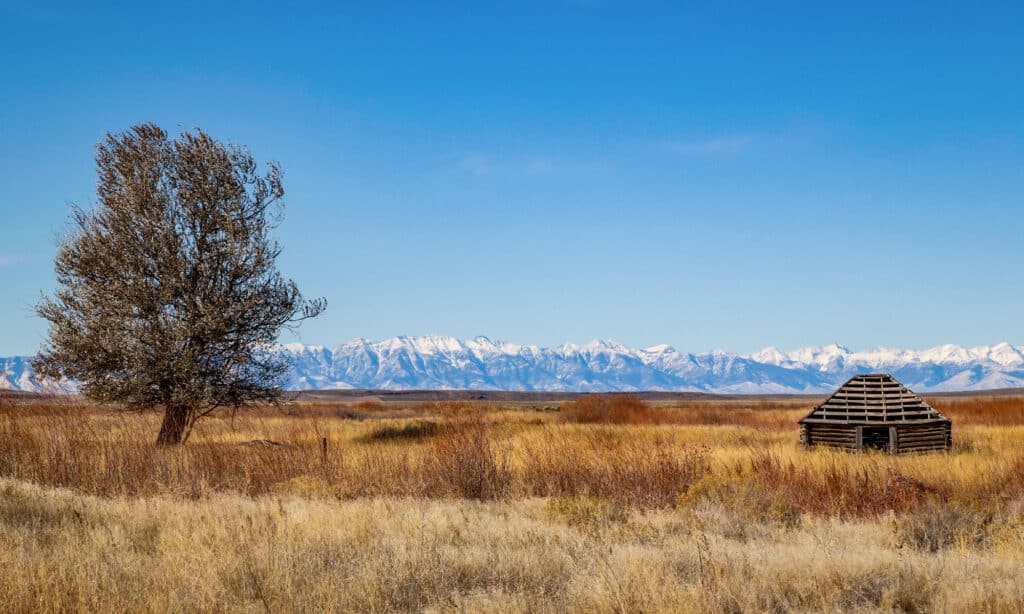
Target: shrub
{"type": "Point", "coordinates": [369, 405]}
{"type": "Point", "coordinates": [992, 411]}
{"type": "Point", "coordinates": [936, 525]}
{"type": "Point", "coordinates": [467, 461]}
{"type": "Point", "coordinates": [613, 409]}
{"type": "Point", "coordinates": [838, 488]}
{"type": "Point", "coordinates": [632, 472]}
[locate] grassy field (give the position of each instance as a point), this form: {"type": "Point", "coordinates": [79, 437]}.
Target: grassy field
{"type": "Point", "coordinates": [600, 504]}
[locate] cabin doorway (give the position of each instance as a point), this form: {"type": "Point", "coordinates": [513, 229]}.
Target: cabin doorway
{"type": "Point", "coordinates": [875, 438]}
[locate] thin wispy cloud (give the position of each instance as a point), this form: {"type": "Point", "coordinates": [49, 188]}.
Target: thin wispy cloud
{"type": "Point", "coordinates": [716, 146]}
{"type": "Point", "coordinates": [475, 164]}
{"type": "Point", "coordinates": [482, 165]}
{"type": "Point", "coordinates": [7, 261]}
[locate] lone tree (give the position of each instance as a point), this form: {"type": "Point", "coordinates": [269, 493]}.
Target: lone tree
{"type": "Point", "coordinates": [168, 294]}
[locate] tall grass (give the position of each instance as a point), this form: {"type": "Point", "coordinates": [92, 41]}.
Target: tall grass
{"type": "Point", "coordinates": [615, 448]}
{"type": "Point", "coordinates": [460, 455]}
{"type": "Point", "coordinates": [614, 409]}
{"type": "Point", "coordinates": [628, 409]}
{"type": "Point", "coordinates": [633, 472]}
{"type": "Point", "coordinates": [612, 505]}
{"type": "Point", "coordinates": [988, 411]}
{"type": "Point", "coordinates": [467, 461]}
{"type": "Point", "coordinates": [63, 551]}
{"type": "Point", "coordinates": [835, 488]}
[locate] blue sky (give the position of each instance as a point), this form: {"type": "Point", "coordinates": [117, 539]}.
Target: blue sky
{"type": "Point", "coordinates": [712, 176]}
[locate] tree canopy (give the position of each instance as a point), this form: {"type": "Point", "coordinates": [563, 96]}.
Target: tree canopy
{"type": "Point", "coordinates": [168, 293]}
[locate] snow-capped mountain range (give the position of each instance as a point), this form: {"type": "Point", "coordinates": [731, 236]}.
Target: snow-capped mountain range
{"type": "Point", "coordinates": [439, 362]}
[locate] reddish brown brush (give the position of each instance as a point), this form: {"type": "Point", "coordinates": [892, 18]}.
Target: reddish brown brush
{"type": "Point", "coordinates": [632, 472]}
{"type": "Point", "coordinates": [118, 457]}
{"type": "Point", "coordinates": [465, 451]}
{"type": "Point", "coordinates": [613, 409]}
{"type": "Point", "coordinates": [838, 489]}
{"type": "Point", "coordinates": [467, 460]}
{"type": "Point", "coordinates": [771, 415]}
{"type": "Point", "coordinates": [113, 454]}
{"type": "Point", "coordinates": [628, 409]}
{"type": "Point", "coordinates": [1013, 480]}
{"type": "Point", "coordinates": [990, 411]}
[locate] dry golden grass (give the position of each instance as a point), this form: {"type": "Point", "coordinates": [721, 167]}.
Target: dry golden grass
{"type": "Point", "coordinates": [64, 551]}
{"type": "Point", "coordinates": [609, 505]}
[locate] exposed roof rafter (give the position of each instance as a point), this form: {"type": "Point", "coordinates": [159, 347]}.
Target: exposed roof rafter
{"type": "Point", "coordinates": [873, 399]}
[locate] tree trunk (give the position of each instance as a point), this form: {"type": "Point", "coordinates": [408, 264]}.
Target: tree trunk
{"type": "Point", "coordinates": [173, 427]}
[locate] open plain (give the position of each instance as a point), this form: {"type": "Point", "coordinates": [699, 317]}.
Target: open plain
{"type": "Point", "coordinates": [520, 503]}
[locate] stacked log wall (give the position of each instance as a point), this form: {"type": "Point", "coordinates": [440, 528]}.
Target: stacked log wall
{"type": "Point", "coordinates": [836, 436]}
{"type": "Point", "coordinates": [924, 438]}
{"type": "Point", "coordinates": [908, 439]}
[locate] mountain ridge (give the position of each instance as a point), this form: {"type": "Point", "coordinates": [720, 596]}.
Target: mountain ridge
{"type": "Point", "coordinates": [447, 363]}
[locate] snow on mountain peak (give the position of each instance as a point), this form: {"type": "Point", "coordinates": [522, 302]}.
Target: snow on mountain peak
{"type": "Point", "coordinates": [296, 347]}
{"type": "Point", "coordinates": [439, 361]}
{"type": "Point", "coordinates": [769, 355]}
{"type": "Point", "coordinates": [598, 345]}
{"type": "Point", "coordinates": [1005, 354]}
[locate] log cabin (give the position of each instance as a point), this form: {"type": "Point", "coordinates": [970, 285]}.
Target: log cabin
{"type": "Point", "coordinates": [874, 411]}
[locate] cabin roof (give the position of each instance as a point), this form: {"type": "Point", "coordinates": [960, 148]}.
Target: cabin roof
{"type": "Point", "coordinates": [873, 399]}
